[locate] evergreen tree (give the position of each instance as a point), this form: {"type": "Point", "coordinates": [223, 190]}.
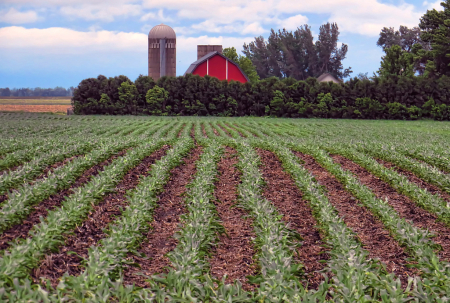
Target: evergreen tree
{"type": "Point", "coordinates": [396, 62]}
{"type": "Point", "coordinates": [435, 26]}
{"type": "Point", "coordinates": [244, 63]}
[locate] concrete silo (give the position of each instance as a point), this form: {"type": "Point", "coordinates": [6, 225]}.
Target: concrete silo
{"type": "Point", "coordinates": [162, 52]}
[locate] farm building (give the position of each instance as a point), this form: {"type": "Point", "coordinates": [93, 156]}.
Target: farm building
{"type": "Point", "coordinates": [215, 64]}
{"type": "Point", "coordinates": [162, 53]}
{"type": "Point", "coordinates": [326, 77]}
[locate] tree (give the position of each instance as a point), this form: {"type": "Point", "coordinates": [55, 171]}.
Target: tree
{"type": "Point", "coordinates": [435, 26]}
{"type": "Point", "coordinates": [156, 99]}
{"type": "Point", "coordinates": [295, 54]}
{"type": "Point", "coordinates": [405, 37]}
{"type": "Point", "coordinates": [244, 63]}
{"type": "Point", "coordinates": [396, 62]}
{"type": "Point", "coordinates": [128, 94]}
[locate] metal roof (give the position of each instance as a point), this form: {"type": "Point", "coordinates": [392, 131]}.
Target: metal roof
{"type": "Point", "coordinates": [194, 65]}
{"type": "Point", "coordinates": [162, 31]}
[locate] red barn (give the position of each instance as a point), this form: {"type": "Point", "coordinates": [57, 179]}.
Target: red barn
{"type": "Point", "coordinates": [217, 65]}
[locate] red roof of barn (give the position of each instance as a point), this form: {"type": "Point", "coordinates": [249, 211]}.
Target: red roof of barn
{"type": "Point", "coordinates": [194, 65]}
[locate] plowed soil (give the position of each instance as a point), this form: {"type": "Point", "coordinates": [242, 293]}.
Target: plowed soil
{"type": "Point", "coordinates": [41, 210]}
{"type": "Point", "coordinates": [287, 198]}
{"type": "Point", "coordinates": [370, 231]}
{"type": "Point", "coordinates": [166, 222]}
{"type": "Point", "coordinates": [34, 108]}
{"type": "Point", "coordinates": [403, 205]}
{"type": "Point", "coordinates": [233, 128]}
{"type": "Point", "coordinates": [234, 254]}
{"type": "Point", "coordinates": [214, 130]}
{"type": "Point", "coordinates": [91, 231]}
{"type": "Point", "coordinates": [419, 182]}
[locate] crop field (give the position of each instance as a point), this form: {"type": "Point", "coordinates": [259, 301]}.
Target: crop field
{"type": "Point", "coordinates": [35, 104]}
{"type": "Point", "coordinates": [190, 209]}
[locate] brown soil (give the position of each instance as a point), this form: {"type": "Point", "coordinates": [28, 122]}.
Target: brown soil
{"type": "Point", "coordinates": [406, 208]}
{"type": "Point", "coordinates": [166, 222]}
{"type": "Point", "coordinates": [414, 179]}
{"type": "Point", "coordinates": [91, 231]}
{"type": "Point", "coordinates": [204, 131]}
{"type": "Point", "coordinates": [52, 168]}
{"type": "Point", "coordinates": [254, 135]}
{"type": "Point", "coordinates": [288, 200]}
{"type": "Point", "coordinates": [214, 130]}
{"type": "Point", "coordinates": [233, 128]}
{"type": "Point", "coordinates": [370, 231]}
{"type": "Point", "coordinates": [34, 108]}
{"type": "Point", "coordinates": [44, 174]}
{"type": "Point", "coordinates": [234, 254]}
{"type": "Point", "coordinates": [181, 130]}
{"type": "Point", "coordinates": [226, 132]}
{"type": "Point", "coordinates": [41, 210]}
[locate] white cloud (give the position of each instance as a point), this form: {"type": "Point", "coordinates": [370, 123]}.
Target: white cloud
{"type": "Point", "coordinates": [156, 17]}
{"type": "Point", "coordinates": [253, 28]}
{"type": "Point", "coordinates": [13, 16]}
{"type": "Point", "coordinates": [436, 5]}
{"type": "Point", "coordinates": [58, 40]}
{"type": "Point", "coordinates": [293, 22]}
{"type": "Point", "coordinates": [63, 40]}
{"type": "Point", "coordinates": [106, 13]}
{"type": "Point", "coordinates": [353, 16]}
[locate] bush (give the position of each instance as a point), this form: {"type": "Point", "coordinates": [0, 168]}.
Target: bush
{"type": "Point", "coordinates": [393, 97]}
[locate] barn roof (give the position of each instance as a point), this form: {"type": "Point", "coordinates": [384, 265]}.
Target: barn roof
{"type": "Point", "coordinates": [195, 64]}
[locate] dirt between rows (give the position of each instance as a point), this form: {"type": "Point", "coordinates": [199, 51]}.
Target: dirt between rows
{"type": "Point", "coordinates": [166, 220]}
{"type": "Point", "coordinates": [90, 232]}
{"type": "Point", "coordinates": [204, 131]}
{"type": "Point", "coordinates": [222, 128]}
{"type": "Point", "coordinates": [406, 208]}
{"type": "Point", "coordinates": [42, 209]}
{"type": "Point", "coordinates": [233, 256]}
{"type": "Point", "coordinates": [214, 130]}
{"type": "Point", "coordinates": [44, 174]}
{"type": "Point", "coordinates": [370, 231]}
{"type": "Point", "coordinates": [233, 128]}
{"type": "Point", "coordinates": [414, 179]}
{"type": "Point", "coordinates": [286, 197]}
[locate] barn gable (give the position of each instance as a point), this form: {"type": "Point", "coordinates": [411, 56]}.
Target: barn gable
{"type": "Point", "coordinates": [217, 65]}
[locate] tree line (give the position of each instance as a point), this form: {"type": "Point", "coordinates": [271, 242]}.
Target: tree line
{"type": "Point", "coordinates": [37, 92]}
{"type": "Point", "coordinates": [393, 97]}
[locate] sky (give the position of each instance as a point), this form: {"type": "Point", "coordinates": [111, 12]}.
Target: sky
{"type": "Point", "coordinates": [49, 43]}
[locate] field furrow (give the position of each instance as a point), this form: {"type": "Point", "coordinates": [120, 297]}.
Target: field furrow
{"type": "Point", "coordinates": [368, 229]}
{"type": "Point", "coordinates": [233, 256]}
{"type": "Point", "coordinates": [406, 208]}
{"type": "Point", "coordinates": [296, 212]}
{"type": "Point", "coordinates": [159, 241]}
{"type": "Point", "coordinates": [75, 249]}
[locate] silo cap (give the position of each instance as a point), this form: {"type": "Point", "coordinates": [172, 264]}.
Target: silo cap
{"type": "Point", "coordinates": [162, 31]}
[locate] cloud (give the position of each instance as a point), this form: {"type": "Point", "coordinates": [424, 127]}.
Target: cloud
{"type": "Point", "coordinates": [353, 16]}
{"type": "Point", "coordinates": [63, 40]}
{"type": "Point", "coordinates": [106, 13]}
{"type": "Point", "coordinates": [156, 16]}
{"type": "Point", "coordinates": [293, 22]}
{"type": "Point", "coordinates": [13, 16]}
{"type": "Point", "coordinates": [433, 5]}
{"type": "Point", "coordinates": [57, 40]}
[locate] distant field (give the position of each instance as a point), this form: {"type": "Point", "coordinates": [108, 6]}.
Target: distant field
{"type": "Point", "coordinates": [35, 100]}
{"type": "Point", "coordinates": [35, 104]}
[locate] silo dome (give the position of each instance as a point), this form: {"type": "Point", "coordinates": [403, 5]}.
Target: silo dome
{"type": "Point", "coordinates": [162, 31]}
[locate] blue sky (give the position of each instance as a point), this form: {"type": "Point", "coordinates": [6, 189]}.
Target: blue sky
{"type": "Point", "coordinates": [48, 43]}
